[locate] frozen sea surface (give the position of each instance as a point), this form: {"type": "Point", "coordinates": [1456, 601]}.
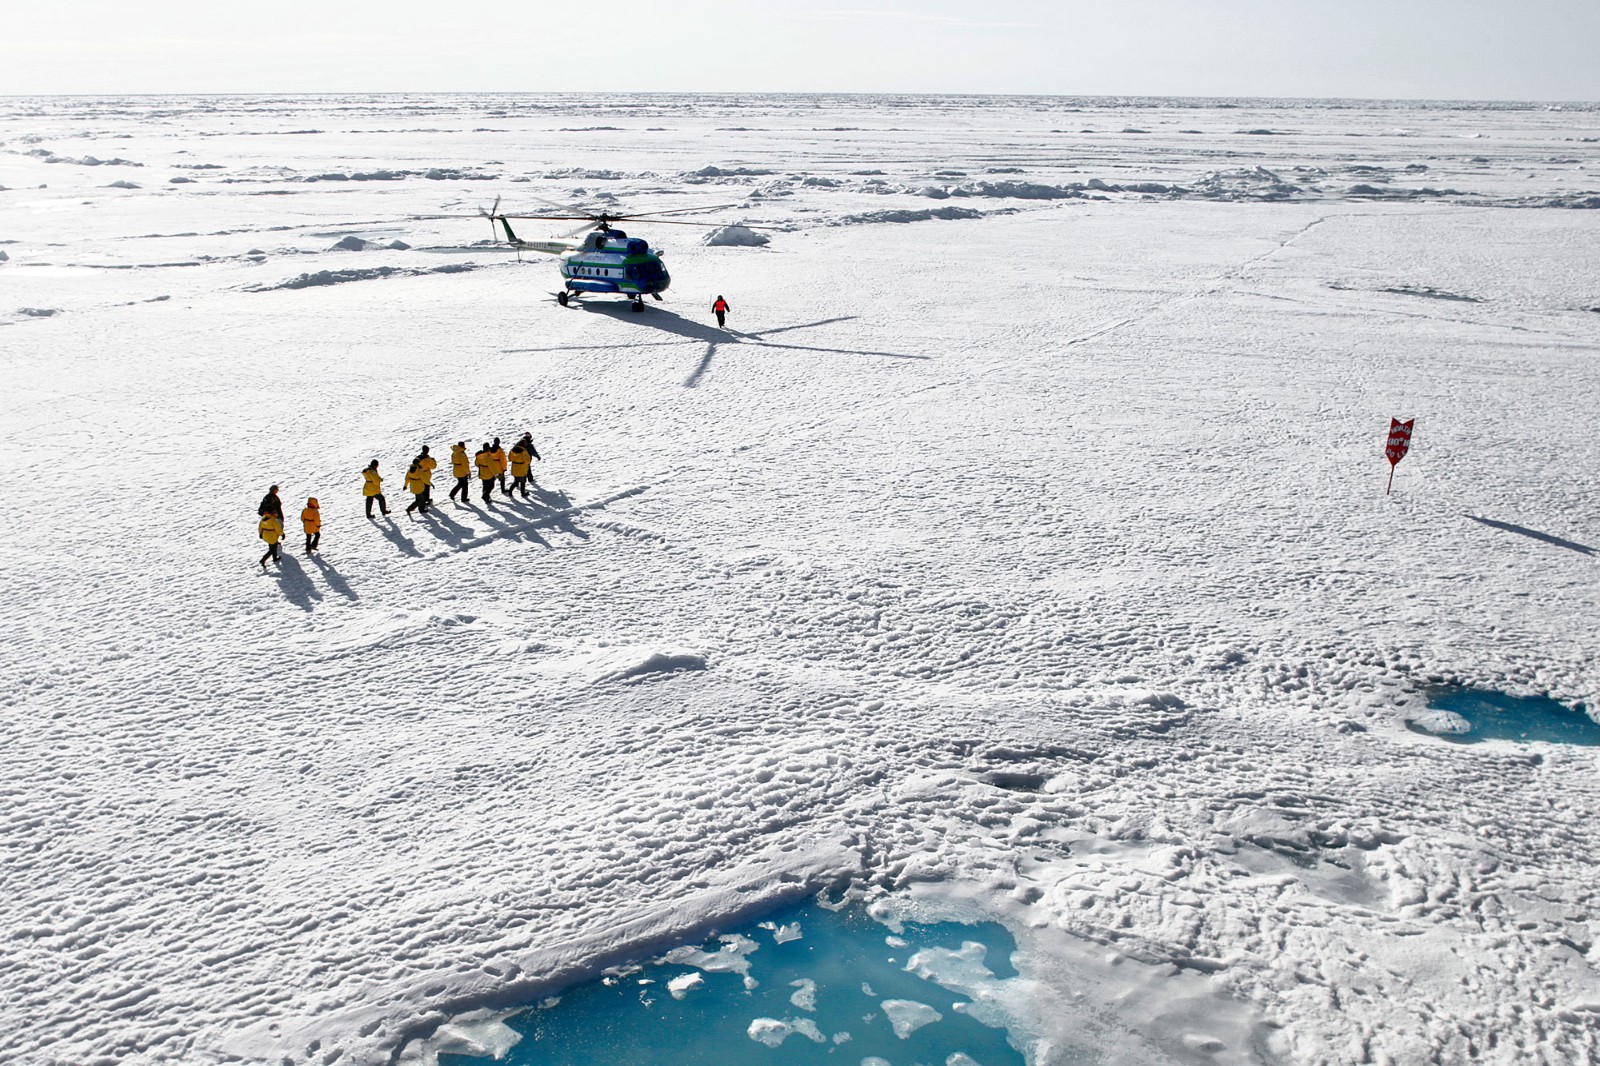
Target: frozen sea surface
{"type": "Point", "coordinates": [812, 985]}
{"type": "Point", "coordinates": [1470, 716]}
{"type": "Point", "coordinates": [1022, 543]}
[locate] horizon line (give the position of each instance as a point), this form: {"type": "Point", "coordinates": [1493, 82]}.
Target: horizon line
{"type": "Point", "coordinates": [793, 92]}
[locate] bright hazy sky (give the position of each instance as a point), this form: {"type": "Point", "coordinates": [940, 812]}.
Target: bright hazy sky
{"type": "Point", "coordinates": [1497, 49]}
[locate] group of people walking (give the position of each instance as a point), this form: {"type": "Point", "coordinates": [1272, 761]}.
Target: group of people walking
{"type": "Point", "coordinates": [492, 463]}
{"type": "Point", "coordinates": [271, 525]}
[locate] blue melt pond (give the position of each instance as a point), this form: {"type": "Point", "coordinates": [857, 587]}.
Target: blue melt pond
{"type": "Point", "coordinates": [819, 986]}
{"type": "Point", "coordinates": [1468, 716]}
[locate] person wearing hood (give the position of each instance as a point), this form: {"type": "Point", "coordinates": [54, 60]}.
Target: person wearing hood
{"type": "Point", "coordinates": [417, 485]}
{"type": "Point", "coordinates": [311, 519]}
{"type": "Point", "coordinates": [270, 504]}
{"type": "Point", "coordinates": [520, 457]}
{"type": "Point", "coordinates": [461, 467]}
{"type": "Point", "coordinates": [484, 461]}
{"type": "Point", "coordinates": [720, 308]}
{"type": "Point", "coordinates": [427, 463]}
{"type": "Point", "coordinates": [500, 466]}
{"type": "Point", "coordinates": [372, 487]}
{"type": "Point", "coordinates": [270, 530]}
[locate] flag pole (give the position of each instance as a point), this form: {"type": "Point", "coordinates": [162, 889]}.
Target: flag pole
{"type": "Point", "coordinates": [1391, 480]}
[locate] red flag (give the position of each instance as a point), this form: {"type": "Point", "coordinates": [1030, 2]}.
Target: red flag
{"type": "Point", "coordinates": [1399, 444]}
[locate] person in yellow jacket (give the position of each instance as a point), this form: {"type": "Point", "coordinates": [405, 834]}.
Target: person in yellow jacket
{"type": "Point", "coordinates": [500, 465]}
{"type": "Point", "coordinates": [311, 519]}
{"type": "Point", "coordinates": [417, 485]}
{"type": "Point", "coordinates": [461, 467]}
{"type": "Point", "coordinates": [428, 463]}
{"type": "Point", "coordinates": [520, 459]}
{"type": "Point", "coordinates": [372, 487]}
{"type": "Point", "coordinates": [271, 531]}
{"type": "Point", "coordinates": [487, 471]}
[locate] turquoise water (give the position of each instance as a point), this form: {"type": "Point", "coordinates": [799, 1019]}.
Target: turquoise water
{"type": "Point", "coordinates": [1496, 716]}
{"type": "Point", "coordinates": [835, 975]}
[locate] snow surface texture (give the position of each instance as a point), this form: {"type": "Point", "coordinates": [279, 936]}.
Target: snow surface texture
{"type": "Point", "coordinates": [1038, 551]}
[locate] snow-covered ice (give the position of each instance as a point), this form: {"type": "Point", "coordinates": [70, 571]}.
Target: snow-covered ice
{"type": "Point", "coordinates": [1021, 546]}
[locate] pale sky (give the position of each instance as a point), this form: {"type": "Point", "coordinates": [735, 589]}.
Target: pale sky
{"type": "Point", "coordinates": [1446, 49]}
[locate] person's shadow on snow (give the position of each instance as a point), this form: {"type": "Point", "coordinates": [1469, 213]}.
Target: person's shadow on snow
{"type": "Point", "coordinates": [559, 506]}
{"type": "Point", "coordinates": [296, 584]}
{"type": "Point", "coordinates": [386, 526]}
{"type": "Point", "coordinates": [441, 525]}
{"type": "Point", "coordinates": [335, 580]}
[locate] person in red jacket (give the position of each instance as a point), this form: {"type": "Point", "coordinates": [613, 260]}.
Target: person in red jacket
{"type": "Point", "coordinates": [720, 306]}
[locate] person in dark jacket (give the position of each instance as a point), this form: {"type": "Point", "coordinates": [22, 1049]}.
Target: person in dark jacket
{"type": "Point", "coordinates": [720, 307]}
{"type": "Point", "coordinates": [270, 504]}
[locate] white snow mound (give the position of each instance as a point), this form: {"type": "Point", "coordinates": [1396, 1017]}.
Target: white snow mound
{"type": "Point", "coordinates": [735, 236]}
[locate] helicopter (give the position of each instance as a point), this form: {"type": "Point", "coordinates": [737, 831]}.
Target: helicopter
{"type": "Point", "coordinates": [607, 260]}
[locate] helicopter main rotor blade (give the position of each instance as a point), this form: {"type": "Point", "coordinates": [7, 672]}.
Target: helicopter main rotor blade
{"type": "Point", "coordinates": [702, 225]}
{"type": "Point", "coordinates": [680, 211]}
{"type": "Point", "coordinates": [561, 218]}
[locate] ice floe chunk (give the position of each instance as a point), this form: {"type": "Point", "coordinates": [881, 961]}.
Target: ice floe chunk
{"type": "Point", "coordinates": [773, 1032]}
{"type": "Point", "coordinates": [907, 1016]}
{"type": "Point", "coordinates": [683, 984]}
{"type": "Point", "coordinates": [1442, 723]}
{"type": "Point", "coordinates": [804, 996]}
{"type": "Point", "coordinates": [732, 957]}
{"type": "Point", "coordinates": [783, 934]}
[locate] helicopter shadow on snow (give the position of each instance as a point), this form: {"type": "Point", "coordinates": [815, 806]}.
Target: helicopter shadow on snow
{"type": "Point", "coordinates": [713, 337]}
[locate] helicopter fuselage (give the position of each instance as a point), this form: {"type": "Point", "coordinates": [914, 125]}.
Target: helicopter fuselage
{"type": "Point", "coordinates": [611, 261]}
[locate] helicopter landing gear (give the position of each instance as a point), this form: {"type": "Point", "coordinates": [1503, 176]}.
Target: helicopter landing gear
{"type": "Point", "coordinates": [637, 303]}
{"type": "Point", "coordinates": [563, 298]}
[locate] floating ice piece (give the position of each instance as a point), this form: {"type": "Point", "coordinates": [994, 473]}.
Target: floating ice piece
{"type": "Point", "coordinates": [805, 994]}
{"type": "Point", "coordinates": [1442, 723]}
{"type": "Point", "coordinates": [782, 934]}
{"type": "Point", "coordinates": [963, 970]}
{"type": "Point", "coordinates": [683, 984]}
{"type": "Point", "coordinates": [907, 1016]}
{"type": "Point", "coordinates": [772, 1032]}
{"type": "Point", "coordinates": [732, 957]}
